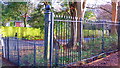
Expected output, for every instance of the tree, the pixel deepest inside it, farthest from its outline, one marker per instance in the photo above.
(13, 11)
(118, 12)
(0, 13)
(114, 11)
(114, 17)
(77, 9)
(89, 14)
(37, 17)
(5, 17)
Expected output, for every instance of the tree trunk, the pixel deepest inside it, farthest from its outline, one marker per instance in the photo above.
(114, 18)
(80, 15)
(118, 12)
(25, 19)
(76, 10)
(114, 11)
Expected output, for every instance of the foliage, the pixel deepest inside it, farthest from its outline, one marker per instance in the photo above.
(37, 18)
(89, 14)
(13, 11)
(94, 46)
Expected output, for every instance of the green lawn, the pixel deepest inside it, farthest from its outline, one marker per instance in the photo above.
(21, 31)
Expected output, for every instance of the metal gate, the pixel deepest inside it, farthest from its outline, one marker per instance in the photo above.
(64, 43)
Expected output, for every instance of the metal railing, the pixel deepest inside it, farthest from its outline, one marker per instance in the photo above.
(67, 40)
(96, 39)
(23, 52)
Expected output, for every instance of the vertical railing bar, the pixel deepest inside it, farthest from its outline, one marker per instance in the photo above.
(62, 35)
(102, 38)
(34, 53)
(2, 43)
(5, 47)
(51, 38)
(8, 47)
(56, 48)
(71, 18)
(118, 35)
(27, 43)
(14, 50)
(73, 39)
(61, 41)
(67, 37)
(93, 39)
(18, 51)
(88, 35)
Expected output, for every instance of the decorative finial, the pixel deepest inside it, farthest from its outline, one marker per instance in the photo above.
(47, 7)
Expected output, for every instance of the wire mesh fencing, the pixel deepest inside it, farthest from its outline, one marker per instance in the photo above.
(24, 52)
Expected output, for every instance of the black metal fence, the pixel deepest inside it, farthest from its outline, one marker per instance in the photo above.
(96, 39)
(67, 40)
(23, 52)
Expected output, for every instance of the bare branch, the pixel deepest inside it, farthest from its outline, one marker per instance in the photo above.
(105, 10)
(100, 8)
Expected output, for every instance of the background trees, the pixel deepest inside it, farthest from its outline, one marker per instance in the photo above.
(37, 17)
(14, 11)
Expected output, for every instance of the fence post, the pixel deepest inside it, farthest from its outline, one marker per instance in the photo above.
(34, 54)
(118, 35)
(51, 38)
(5, 42)
(48, 38)
(3, 46)
(103, 36)
(46, 34)
(80, 43)
(7, 47)
(18, 51)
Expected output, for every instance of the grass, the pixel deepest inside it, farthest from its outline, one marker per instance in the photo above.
(23, 32)
(90, 48)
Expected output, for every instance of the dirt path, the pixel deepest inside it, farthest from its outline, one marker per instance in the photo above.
(110, 60)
